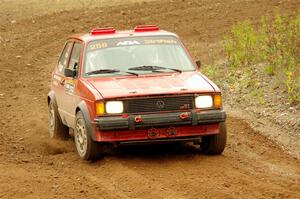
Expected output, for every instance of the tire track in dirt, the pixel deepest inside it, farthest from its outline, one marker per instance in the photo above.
(32, 165)
(132, 184)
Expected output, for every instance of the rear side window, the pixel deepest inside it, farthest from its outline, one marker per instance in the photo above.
(64, 57)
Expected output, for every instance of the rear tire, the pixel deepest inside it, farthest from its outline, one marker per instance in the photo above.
(86, 147)
(56, 128)
(215, 144)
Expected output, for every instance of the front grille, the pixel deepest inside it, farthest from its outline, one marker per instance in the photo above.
(161, 103)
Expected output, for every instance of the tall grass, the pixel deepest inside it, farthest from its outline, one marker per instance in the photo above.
(273, 44)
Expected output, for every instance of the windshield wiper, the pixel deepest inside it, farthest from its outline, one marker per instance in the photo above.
(103, 71)
(153, 68)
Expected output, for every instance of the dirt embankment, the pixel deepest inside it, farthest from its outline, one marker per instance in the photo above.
(32, 166)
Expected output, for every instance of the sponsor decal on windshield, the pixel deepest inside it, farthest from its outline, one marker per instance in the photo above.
(160, 41)
(128, 43)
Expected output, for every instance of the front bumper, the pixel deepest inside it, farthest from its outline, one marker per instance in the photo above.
(192, 118)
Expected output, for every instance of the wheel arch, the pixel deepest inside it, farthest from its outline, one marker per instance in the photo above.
(84, 109)
(51, 96)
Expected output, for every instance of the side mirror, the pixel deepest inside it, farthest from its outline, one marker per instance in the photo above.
(70, 72)
(198, 62)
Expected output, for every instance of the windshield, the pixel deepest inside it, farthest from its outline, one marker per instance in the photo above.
(135, 54)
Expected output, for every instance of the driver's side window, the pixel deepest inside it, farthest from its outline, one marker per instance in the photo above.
(64, 57)
(75, 57)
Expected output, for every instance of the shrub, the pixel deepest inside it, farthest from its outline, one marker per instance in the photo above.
(240, 45)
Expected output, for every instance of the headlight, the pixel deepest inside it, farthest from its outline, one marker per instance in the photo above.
(114, 107)
(204, 101)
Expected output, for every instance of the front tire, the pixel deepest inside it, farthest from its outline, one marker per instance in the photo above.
(215, 144)
(86, 147)
(56, 128)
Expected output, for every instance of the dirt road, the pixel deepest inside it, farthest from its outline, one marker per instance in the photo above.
(32, 166)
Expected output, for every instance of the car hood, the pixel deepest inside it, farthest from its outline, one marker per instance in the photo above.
(171, 83)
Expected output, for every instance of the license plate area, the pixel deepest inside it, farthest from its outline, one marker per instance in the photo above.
(154, 133)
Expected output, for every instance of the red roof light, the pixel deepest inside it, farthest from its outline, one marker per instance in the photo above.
(102, 31)
(145, 28)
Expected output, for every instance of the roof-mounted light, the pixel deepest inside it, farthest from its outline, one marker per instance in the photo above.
(146, 28)
(102, 31)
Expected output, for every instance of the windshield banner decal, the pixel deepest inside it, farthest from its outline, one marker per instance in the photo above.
(119, 42)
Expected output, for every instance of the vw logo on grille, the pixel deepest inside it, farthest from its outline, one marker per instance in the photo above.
(160, 104)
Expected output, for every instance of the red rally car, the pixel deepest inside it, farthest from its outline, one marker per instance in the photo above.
(132, 87)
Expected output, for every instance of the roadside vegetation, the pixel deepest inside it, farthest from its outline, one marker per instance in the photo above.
(261, 59)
